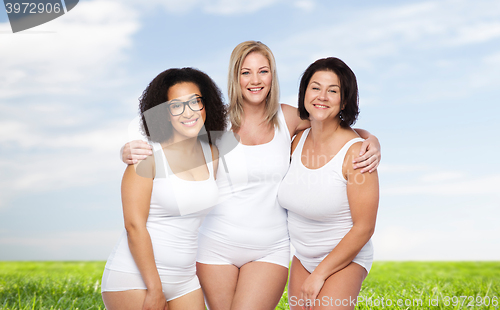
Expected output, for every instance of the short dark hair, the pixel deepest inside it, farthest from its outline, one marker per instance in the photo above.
(348, 88)
(156, 93)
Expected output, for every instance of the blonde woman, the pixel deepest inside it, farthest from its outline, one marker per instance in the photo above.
(244, 253)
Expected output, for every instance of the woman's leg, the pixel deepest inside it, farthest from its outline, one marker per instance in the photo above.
(192, 301)
(339, 291)
(218, 283)
(134, 299)
(130, 299)
(298, 275)
(260, 286)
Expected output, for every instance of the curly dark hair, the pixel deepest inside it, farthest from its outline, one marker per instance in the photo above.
(348, 88)
(157, 128)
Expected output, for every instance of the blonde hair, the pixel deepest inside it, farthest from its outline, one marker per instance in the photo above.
(235, 96)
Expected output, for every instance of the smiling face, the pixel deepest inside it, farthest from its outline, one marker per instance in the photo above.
(322, 97)
(255, 79)
(189, 123)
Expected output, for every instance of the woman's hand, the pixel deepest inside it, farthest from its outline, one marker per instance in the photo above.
(155, 300)
(369, 155)
(310, 290)
(134, 151)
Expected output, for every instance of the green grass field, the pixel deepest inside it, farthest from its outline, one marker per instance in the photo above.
(390, 285)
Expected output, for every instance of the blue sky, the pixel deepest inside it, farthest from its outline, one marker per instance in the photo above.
(429, 80)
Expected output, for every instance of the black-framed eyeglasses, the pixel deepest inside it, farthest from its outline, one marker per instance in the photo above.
(177, 107)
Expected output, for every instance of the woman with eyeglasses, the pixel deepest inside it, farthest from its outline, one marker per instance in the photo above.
(166, 196)
(244, 248)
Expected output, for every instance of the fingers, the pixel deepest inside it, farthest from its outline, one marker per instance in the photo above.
(368, 165)
(139, 147)
(304, 300)
(139, 144)
(364, 147)
(369, 161)
(142, 151)
(308, 298)
(134, 159)
(152, 302)
(135, 150)
(373, 166)
(366, 154)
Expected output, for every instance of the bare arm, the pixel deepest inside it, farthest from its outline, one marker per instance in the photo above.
(363, 196)
(136, 196)
(293, 120)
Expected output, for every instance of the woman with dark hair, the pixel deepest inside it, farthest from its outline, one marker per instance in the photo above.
(166, 196)
(331, 207)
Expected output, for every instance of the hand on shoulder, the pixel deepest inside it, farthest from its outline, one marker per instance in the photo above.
(134, 151)
(349, 168)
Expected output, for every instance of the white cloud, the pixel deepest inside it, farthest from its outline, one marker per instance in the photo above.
(389, 30)
(172, 6)
(401, 168)
(50, 79)
(493, 59)
(441, 176)
(70, 245)
(401, 243)
(481, 32)
(80, 47)
(226, 7)
(306, 5)
(215, 7)
(386, 46)
(25, 136)
(57, 240)
(471, 186)
(63, 161)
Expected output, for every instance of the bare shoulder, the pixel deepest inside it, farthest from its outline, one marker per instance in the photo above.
(288, 109)
(291, 114)
(353, 150)
(146, 167)
(293, 120)
(348, 134)
(348, 169)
